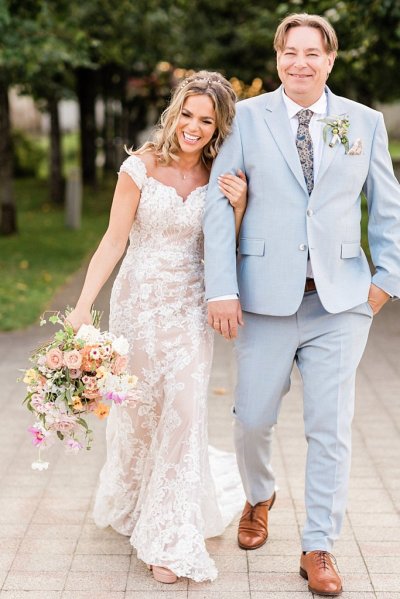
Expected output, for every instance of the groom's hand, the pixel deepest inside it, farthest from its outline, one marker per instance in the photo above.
(224, 316)
(377, 298)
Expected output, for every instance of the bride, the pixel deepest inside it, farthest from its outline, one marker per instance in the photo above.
(156, 485)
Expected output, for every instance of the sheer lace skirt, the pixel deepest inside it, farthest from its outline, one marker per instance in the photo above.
(156, 485)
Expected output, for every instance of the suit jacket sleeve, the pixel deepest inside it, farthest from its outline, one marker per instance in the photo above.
(383, 196)
(219, 222)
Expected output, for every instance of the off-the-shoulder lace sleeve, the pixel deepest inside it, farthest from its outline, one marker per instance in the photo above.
(135, 168)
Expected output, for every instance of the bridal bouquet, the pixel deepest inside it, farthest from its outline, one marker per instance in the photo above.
(73, 375)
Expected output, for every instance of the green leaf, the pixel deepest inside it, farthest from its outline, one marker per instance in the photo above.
(83, 423)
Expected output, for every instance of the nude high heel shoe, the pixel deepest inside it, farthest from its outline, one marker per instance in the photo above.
(162, 574)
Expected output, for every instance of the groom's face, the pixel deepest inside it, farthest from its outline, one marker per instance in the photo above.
(304, 64)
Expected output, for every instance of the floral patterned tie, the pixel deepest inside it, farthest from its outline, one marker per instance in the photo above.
(305, 147)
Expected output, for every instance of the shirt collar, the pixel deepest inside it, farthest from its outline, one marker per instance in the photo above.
(319, 107)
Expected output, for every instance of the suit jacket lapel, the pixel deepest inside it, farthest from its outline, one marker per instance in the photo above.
(335, 107)
(277, 120)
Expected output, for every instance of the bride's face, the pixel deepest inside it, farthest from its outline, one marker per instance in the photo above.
(197, 123)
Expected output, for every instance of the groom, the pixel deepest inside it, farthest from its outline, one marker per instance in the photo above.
(301, 277)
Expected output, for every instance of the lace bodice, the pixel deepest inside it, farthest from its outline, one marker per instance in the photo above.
(166, 227)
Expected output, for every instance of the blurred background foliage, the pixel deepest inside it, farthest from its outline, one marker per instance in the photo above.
(128, 55)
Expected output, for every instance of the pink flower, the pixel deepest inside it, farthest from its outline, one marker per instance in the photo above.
(54, 359)
(75, 373)
(72, 359)
(62, 422)
(73, 446)
(95, 353)
(117, 398)
(120, 365)
(37, 403)
(39, 434)
(90, 383)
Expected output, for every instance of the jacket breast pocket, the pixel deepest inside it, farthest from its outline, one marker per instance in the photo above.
(350, 249)
(251, 246)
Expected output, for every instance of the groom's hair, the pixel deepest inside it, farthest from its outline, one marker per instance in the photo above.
(305, 20)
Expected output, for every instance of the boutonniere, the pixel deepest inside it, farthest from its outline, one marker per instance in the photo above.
(336, 127)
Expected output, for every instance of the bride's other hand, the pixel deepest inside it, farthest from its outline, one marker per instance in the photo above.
(234, 187)
(78, 317)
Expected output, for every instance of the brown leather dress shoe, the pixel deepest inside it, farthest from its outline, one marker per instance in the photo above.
(253, 525)
(320, 569)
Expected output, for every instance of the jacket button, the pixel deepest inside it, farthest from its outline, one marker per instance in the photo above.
(302, 247)
(310, 212)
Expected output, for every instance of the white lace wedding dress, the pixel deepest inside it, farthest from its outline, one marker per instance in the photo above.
(156, 484)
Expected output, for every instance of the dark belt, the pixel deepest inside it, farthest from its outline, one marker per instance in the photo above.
(310, 285)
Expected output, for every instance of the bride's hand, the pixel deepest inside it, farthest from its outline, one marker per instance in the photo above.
(234, 187)
(78, 317)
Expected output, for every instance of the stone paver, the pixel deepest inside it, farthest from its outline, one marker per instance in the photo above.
(51, 549)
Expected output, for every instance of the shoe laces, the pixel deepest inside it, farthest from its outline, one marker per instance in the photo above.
(250, 513)
(252, 510)
(322, 559)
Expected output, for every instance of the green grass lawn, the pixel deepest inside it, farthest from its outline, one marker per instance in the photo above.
(394, 147)
(34, 263)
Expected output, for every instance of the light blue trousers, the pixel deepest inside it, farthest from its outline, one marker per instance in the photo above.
(327, 349)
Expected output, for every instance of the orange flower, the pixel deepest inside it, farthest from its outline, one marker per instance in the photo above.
(88, 364)
(77, 404)
(101, 411)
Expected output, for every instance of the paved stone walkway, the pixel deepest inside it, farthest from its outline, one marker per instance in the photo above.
(50, 548)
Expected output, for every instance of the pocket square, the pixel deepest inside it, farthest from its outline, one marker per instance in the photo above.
(356, 148)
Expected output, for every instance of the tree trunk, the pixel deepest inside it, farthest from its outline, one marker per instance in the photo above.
(8, 217)
(109, 135)
(56, 178)
(137, 119)
(86, 79)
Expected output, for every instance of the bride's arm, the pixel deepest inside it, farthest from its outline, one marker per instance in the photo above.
(235, 189)
(110, 249)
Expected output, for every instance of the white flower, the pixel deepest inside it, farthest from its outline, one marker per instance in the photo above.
(40, 465)
(121, 346)
(88, 333)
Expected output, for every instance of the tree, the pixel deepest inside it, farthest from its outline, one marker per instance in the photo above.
(38, 49)
(17, 56)
(369, 37)
(237, 37)
(61, 49)
(127, 39)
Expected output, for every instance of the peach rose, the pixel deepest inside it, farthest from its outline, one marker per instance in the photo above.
(72, 359)
(92, 394)
(54, 359)
(120, 364)
(75, 374)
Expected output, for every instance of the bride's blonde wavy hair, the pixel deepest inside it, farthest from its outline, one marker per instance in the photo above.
(165, 143)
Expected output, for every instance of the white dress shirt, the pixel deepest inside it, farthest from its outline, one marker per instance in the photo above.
(319, 108)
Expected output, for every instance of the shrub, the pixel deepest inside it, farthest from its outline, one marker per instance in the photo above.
(28, 154)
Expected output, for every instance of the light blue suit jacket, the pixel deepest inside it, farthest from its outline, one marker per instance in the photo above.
(283, 223)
